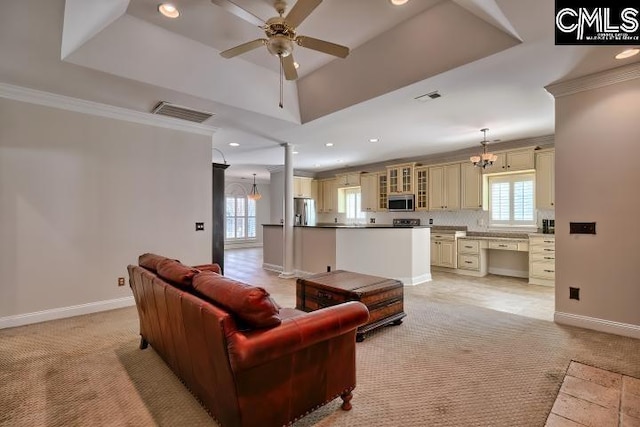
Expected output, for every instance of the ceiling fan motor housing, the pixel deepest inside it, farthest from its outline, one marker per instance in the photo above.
(280, 36)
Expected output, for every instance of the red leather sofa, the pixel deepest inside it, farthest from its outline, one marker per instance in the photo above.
(248, 361)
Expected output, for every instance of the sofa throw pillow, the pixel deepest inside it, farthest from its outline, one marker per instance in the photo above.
(150, 261)
(251, 304)
(208, 267)
(175, 272)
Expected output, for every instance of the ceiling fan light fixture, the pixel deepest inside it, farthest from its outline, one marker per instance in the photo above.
(168, 10)
(398, 2)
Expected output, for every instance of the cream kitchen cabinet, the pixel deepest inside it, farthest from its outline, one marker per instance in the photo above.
(369, 192)
(383, 192)
(472, 256)
(327, 196)
(444, 187)
(348, 180)
(545, 179)
(422, 173)
(471, 186)
(400, 178)
(510, 161)
(444, 249)
(302, 186)
(542, 259)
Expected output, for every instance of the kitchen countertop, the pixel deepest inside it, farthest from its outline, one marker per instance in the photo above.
(350, 226)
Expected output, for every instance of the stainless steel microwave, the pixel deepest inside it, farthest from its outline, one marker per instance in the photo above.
(401, 203)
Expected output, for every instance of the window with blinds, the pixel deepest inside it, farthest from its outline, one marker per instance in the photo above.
(240, 218)
(511, 200)
(353, 205)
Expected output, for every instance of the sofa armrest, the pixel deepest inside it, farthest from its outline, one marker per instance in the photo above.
(256, 347)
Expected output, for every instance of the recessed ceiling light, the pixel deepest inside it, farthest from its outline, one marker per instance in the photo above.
(398, 2)
(339, 161)
(168, 10)
(234, 144)
(374, 139)
(627, 53)
(296, 65)
(329, 144)
(295, 152)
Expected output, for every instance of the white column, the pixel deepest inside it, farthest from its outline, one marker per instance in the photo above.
(288, 268)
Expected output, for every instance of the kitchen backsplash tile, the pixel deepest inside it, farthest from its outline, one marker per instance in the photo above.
(474, 220)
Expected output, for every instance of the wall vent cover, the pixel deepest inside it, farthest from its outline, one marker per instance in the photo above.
(179, 112)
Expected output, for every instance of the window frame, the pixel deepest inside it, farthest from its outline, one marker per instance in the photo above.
(511, 179)
(244, 218)
(360, 216)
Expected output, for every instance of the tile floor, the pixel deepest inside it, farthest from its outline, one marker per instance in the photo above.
(589, 396)
(594, 397)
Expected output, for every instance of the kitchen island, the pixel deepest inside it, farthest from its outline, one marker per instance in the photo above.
(401, 253)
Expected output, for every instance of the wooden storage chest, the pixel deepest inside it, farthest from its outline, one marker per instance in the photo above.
(383, 297)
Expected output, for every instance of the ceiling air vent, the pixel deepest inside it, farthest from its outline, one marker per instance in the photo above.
(180, 112)
(427, 96)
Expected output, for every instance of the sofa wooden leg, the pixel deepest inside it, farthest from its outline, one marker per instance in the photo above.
(346, 400)
(143, 343)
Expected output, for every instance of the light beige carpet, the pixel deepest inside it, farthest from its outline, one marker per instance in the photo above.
(449, 364)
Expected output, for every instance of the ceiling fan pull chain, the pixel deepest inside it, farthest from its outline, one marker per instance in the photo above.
(281, 82)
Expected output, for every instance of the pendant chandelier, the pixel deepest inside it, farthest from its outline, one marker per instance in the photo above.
(254, 195)
(484, 160)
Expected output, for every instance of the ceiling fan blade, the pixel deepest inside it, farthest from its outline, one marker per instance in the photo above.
(233, 8)
(289, 68)
(323, 46)
(300, 11)
(244, 47)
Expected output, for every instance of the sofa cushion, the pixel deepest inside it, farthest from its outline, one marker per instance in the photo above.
(251, 304)
(175, 272)
(150, 261)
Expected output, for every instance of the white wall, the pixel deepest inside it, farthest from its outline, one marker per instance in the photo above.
(82, 196)
(263, 207)
(277, 197)
(597, 178)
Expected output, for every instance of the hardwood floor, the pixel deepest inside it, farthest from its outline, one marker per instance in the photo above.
(500, 293)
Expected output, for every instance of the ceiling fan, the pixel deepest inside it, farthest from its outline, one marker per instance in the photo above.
(281, 35)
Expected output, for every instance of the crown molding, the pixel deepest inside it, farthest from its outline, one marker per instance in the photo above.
(48, 99)
(594, 81)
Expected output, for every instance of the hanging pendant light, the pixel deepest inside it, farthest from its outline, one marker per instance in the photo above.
(484, 160)
(254, 195)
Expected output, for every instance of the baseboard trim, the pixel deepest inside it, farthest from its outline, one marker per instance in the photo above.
(64, 312)
(272, 267)
(416, 280)
(601, 325)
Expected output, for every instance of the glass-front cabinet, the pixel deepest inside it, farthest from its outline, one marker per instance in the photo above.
(400, 178)
(383, 191)
(422, 189)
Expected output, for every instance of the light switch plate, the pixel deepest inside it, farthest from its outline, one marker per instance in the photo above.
(199, 226)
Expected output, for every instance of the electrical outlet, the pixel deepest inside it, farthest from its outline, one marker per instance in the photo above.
(430, 221)
(199, 226)
(574, 293)
(120, 281)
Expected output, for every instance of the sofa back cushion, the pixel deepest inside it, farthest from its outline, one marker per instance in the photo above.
(176, 272)
(250, 304)
(150, 261)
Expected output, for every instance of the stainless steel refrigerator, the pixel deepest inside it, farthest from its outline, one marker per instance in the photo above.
(304, 211)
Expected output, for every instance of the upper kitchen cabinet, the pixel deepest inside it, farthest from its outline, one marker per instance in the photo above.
(444, 187)
(302, 187)
(329, 196)
(422, 189)
(369, 192)
(400, 178)
(510, 161)
(383, 192)
(348, 180)
(471, 187)
(545, 179)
